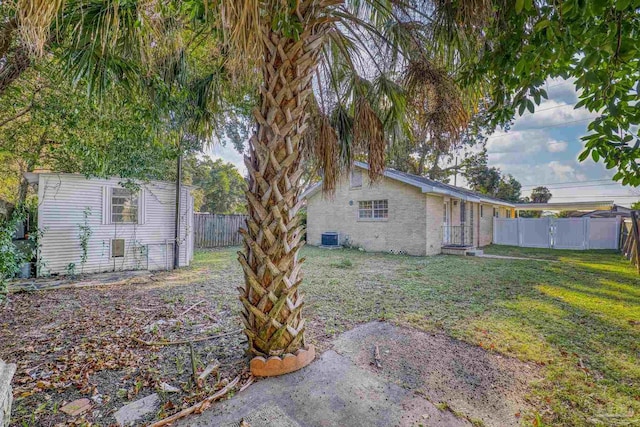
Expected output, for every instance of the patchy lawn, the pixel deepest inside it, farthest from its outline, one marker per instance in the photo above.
(576, 317)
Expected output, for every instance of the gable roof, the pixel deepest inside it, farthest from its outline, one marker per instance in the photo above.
(426, 185)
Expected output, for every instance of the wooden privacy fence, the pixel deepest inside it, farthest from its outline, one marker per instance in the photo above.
(213, 230)
(631, 235)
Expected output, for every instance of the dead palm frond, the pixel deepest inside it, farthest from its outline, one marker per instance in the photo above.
(435, 105)
(35, 19)
(368, 136)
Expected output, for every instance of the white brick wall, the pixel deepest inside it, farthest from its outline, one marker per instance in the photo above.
(486, 225)
(435, 221)
(405, 229)
(415, 219)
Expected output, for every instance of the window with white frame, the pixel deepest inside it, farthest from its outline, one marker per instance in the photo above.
(373, 209)
(356, 179)
(508, 213)
(124, 206)
(496, 212)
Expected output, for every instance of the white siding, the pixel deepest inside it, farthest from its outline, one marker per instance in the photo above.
(62, 201)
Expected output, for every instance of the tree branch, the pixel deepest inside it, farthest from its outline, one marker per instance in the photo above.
(14, 68)
(23, 112)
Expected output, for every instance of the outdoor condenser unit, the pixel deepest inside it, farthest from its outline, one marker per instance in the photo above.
(330, 238)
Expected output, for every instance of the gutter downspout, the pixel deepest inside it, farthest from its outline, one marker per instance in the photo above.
(176, 246)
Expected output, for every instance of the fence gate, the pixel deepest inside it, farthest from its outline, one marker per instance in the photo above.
(213, 230)
(558, 233)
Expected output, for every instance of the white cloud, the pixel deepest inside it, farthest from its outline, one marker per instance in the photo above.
(553, 113)
(513, 146)
(554, 146)
(582, 181)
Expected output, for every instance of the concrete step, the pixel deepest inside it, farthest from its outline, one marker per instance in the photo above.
(475, 252)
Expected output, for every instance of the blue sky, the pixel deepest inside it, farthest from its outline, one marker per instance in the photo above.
(540, 149)
(543, 148)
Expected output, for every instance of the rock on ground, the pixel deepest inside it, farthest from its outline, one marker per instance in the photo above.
(76, 407)
(133, 412)
(6, 394)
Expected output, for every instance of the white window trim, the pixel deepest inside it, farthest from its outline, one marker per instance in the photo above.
(372, 219)
(107, 194)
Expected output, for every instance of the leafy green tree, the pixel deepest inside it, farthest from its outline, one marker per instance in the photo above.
(220, 185)
(52, 125)
(489, 180)
(635, 206)
(540, 195)
(592, 43)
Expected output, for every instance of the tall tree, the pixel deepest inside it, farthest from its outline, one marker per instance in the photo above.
(221, 188)
(489, 180)
(540, 195)
(324, 69)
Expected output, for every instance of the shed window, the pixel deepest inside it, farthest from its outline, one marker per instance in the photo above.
(508, 213)
(373, 209)
(117, 248)
(124, 206)
(356, 179)
(481, 211)
(496, 212)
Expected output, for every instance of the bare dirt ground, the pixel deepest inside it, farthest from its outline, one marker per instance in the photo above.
(75, 343)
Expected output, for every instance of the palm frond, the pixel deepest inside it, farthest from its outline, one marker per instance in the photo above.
(368, 133)
(35, 19)
(435, 105)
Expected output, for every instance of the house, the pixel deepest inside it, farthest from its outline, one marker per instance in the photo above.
(402, 213)
(123, 229)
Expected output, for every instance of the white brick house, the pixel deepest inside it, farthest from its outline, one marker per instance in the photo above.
(402, 213)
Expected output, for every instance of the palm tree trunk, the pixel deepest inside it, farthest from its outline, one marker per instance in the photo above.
(272, 304)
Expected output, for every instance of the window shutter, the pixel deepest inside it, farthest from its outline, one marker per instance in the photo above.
(142, 207)
(106, 205)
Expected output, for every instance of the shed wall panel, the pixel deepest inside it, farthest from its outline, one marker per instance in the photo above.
(62, 201)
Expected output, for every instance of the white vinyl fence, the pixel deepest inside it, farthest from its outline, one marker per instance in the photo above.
(558, 233)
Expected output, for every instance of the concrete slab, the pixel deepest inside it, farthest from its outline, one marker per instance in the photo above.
(482, 385)
(332, 391)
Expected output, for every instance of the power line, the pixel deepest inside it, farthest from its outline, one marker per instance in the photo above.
(542, 127)
(582, 186)
(598, 196)
(568, 182)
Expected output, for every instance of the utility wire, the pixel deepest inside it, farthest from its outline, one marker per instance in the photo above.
(581, 186)
(568, 182)
(542, 127)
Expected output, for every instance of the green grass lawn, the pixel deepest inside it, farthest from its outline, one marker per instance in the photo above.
(576, 315)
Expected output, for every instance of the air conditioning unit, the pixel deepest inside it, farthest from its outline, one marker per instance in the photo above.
(330, 238)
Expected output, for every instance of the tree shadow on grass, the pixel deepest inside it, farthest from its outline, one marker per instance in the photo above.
(592, 351)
